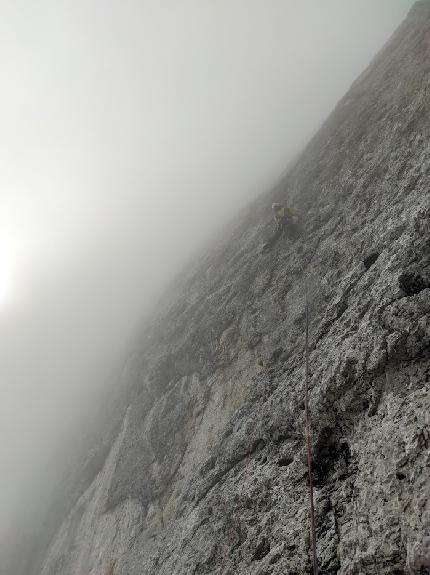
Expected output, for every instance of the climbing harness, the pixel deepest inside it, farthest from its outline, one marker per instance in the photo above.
(309, 442)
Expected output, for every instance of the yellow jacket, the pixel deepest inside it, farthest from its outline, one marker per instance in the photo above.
(282, 213)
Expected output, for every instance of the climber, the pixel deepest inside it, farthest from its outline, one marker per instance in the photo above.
(285, 224)
(285, 219)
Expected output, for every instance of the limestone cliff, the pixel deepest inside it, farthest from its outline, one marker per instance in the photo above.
(207, 473)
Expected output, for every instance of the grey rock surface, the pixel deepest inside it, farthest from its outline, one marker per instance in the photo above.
(208, 472)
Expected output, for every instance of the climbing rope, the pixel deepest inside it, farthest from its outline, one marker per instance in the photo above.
(309, 442)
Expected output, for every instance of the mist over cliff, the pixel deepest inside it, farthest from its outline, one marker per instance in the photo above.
(206, 469)
(131, 132)
(196, 463)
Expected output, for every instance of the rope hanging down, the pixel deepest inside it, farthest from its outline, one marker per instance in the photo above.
(309, 443)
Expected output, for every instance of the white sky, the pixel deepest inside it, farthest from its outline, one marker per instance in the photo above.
(129, 130)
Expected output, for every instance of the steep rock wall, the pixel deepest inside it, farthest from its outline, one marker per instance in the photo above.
(208, 474)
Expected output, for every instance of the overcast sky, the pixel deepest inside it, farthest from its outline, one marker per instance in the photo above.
(129, 131)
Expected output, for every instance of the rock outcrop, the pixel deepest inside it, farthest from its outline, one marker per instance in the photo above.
(208, 471)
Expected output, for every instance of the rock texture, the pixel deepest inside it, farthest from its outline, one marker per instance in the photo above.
(208, 472)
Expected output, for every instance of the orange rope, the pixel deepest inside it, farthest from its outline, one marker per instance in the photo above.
(309, 446)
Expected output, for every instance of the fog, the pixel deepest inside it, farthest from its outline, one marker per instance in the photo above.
(130, 132)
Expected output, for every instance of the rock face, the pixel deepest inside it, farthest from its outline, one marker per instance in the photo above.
(208, 472)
